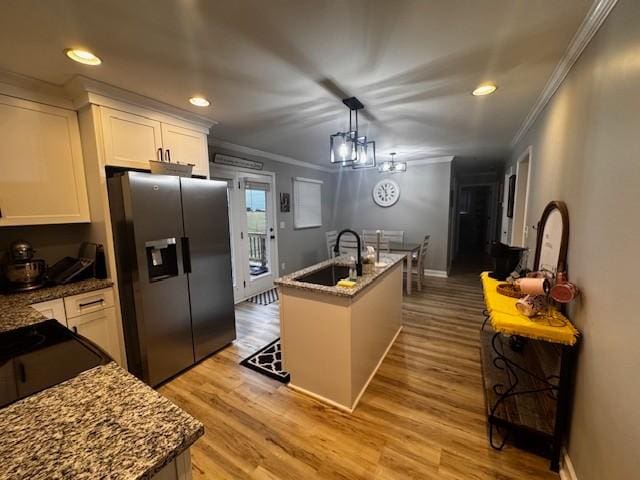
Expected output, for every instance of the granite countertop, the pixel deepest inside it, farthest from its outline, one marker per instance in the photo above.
(15, 311)
(363, 282)
(104, 423)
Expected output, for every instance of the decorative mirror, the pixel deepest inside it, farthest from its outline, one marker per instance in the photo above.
(553, 238)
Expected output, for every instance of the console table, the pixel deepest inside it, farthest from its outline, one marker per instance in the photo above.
(526, 368)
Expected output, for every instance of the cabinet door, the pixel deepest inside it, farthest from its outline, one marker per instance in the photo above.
(41, 169)
(129, 140)
(52, 309)
(187, 146)
(101, 328)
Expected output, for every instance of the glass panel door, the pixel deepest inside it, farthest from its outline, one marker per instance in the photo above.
(258, 234)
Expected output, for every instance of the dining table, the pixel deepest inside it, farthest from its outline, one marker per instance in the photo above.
(410, 249)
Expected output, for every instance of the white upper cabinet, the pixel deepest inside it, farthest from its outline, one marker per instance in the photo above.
(130, 140)
(186, 146)
(41, 169)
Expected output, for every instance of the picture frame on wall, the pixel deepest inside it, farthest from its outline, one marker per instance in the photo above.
(512, 196)
(285, 202)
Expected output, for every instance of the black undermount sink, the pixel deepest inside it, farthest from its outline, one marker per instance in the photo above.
(327, 276)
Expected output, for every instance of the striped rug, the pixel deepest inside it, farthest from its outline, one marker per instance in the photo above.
(265, 298)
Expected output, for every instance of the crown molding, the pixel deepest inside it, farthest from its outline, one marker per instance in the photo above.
(592, 22)
(410, 163)
(27, 88)
(84, 91)
(233, 147)
(430, 161)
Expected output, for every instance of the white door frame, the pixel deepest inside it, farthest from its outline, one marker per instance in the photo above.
(234, 173)
(526, 155)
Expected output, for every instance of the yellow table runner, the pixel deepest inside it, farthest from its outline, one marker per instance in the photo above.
(505, 318)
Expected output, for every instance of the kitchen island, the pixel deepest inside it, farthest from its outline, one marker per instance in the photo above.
(335, 338)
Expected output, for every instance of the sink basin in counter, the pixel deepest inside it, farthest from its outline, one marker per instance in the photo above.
(323, 277)
(328, 276)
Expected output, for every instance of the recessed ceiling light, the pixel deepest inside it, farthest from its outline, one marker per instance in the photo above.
(199, 101)
(484, 89)
(82, 56)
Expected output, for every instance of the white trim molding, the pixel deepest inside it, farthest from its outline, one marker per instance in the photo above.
(429, 161)
(436, 273)
(84, 90)
(410, 163)
(594, 19)
(566, 468)
(239, 149)
(28, 88)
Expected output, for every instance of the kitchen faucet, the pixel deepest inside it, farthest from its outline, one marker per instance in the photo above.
(336, 249)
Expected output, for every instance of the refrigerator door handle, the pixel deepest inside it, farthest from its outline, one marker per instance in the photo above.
(186, 255)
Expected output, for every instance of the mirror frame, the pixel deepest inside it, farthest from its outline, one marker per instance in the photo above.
(564, 240)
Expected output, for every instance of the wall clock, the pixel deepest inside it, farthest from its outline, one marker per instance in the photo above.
(386, 192)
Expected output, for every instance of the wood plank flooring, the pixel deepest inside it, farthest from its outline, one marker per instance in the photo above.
(422, 416)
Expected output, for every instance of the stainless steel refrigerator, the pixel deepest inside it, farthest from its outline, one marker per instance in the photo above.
(174, 270)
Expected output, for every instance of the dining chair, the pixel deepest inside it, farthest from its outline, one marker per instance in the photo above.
(419, 262)
(331, 236)
(395, 236)
(370, 238)
(348, 245)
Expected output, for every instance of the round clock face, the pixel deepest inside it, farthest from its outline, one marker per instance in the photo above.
(386, 192)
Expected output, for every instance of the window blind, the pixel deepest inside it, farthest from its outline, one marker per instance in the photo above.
(307, 203)
(253, 185)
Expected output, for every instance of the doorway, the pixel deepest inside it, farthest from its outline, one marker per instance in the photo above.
(252, 221)
(506, 220)
(474, 211)
(519, 230)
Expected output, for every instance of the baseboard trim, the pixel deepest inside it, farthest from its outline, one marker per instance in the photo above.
(304, 391)
(436, 273)
(337, 405)
(566, 469)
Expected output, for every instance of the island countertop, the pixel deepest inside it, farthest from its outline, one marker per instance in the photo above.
(391, 259)
(103, 423)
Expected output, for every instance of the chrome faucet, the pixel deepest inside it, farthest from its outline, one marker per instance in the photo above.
(336, 249)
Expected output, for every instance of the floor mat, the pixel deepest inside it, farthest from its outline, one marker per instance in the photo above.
(268, 361)
(265, 298)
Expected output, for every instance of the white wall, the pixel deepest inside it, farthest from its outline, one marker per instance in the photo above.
(423, 207)
(303, 247)
(586, 147)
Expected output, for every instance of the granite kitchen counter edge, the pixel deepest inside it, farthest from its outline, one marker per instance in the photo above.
(102, 423)
(362, 283)
(15, 310)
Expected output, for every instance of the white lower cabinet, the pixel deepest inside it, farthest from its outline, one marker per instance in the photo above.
(101, 328)
(53, 309)
(92, 315)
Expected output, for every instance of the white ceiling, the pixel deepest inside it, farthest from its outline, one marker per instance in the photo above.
(275, 69)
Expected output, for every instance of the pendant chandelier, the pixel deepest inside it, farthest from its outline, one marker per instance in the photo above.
(391, 166)
(350, 149)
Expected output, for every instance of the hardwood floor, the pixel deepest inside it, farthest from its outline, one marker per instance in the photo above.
(421, 417)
